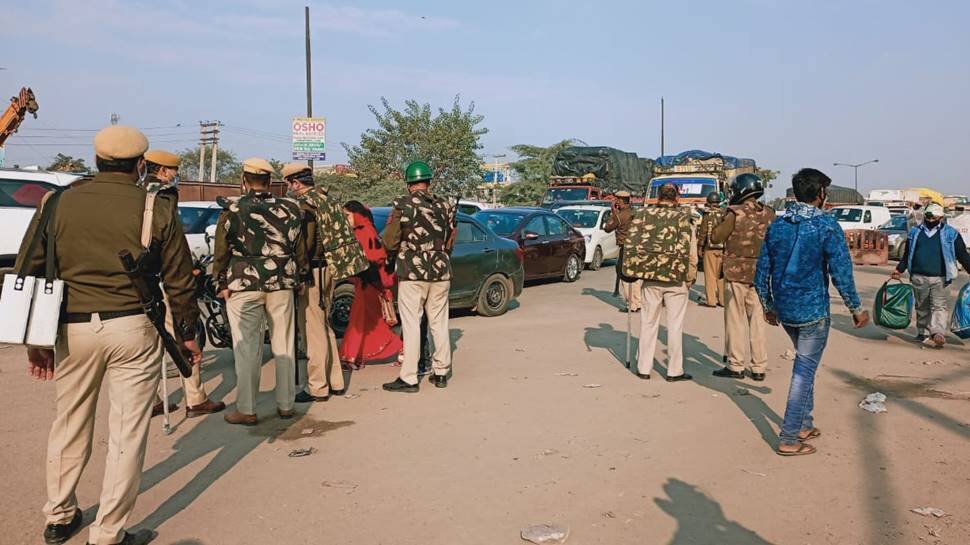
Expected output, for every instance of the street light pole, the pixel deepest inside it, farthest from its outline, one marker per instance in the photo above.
(855, 170)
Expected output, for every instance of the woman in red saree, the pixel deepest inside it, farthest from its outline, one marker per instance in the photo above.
(368, 337)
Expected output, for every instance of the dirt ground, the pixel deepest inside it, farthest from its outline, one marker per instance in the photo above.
(517, 439)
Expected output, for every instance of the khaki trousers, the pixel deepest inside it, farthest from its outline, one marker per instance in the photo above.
(322, 372)
(191, 386)
(674, 297)
(415, 299)
(631, 294)
(745, 328)
(128, 354)
(713, 282)
(248, 312)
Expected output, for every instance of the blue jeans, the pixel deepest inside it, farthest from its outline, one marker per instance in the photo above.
(809, 344)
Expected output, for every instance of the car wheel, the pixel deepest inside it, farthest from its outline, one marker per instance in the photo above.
(574, 267)
(343, 299)
(597, 261)
(494, 296)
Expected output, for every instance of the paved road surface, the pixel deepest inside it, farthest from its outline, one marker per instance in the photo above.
(512, 443)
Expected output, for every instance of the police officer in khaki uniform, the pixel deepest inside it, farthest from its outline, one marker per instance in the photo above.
(713, 252)
(333, 254)
(105, 335)
(619, 222)
(742, 231)
(163, 178)
(258, 262)
(661, 250)
(421, 229)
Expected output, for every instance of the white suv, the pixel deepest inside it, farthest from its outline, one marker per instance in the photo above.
(21, 190)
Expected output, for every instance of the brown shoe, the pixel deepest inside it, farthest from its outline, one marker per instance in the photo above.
(236, 417)
(939, 340)
(158, 409)
(285, 415)
(208, 407)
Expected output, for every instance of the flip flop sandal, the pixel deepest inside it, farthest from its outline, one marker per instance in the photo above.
(803, 450)
(815, 432)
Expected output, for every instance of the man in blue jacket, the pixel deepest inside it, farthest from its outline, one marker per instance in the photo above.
(931, 255)
(803, 248)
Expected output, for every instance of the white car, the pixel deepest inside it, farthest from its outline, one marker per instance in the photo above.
(869, 218)
(21, 190)
(589, 221)
(197, 218)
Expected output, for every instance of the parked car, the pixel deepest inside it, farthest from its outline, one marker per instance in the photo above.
(197, 217)
(471, 207)
(21, 191)
(897, 228)
(589, 221)
(487, 272)
(861, 217)
(552, 247)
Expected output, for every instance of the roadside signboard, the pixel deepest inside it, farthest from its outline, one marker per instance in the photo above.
(309, 138)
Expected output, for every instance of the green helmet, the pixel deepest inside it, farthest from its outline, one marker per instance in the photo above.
(417, 171)
(746, 186)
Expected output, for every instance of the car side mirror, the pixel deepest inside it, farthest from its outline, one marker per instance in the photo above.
(529, 235)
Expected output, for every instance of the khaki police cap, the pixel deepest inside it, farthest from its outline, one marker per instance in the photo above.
(257, 165)
(163, 158)
(119, 142)
(294, 168)
(622, 194)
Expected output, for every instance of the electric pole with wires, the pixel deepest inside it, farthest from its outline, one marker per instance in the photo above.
(208, 136)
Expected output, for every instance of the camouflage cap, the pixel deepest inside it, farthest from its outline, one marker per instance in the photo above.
(257, 165)
(163, 158)
(119, 142)
(296, 167)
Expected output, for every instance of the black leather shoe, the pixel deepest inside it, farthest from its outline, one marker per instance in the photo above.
(304, 397)
(679, 378)
(440, 381)
(724, 372)
(624, 310)
(338, 392)
(642, 376)
(760, 377)
(55, 534)
(401, 386)
(141, 537)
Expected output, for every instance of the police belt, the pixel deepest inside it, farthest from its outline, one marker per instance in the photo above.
(86, 317)
(318, 263)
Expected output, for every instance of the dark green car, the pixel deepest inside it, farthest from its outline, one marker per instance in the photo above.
(487, 272)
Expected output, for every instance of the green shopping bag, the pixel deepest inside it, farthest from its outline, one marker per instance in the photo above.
(894, 305)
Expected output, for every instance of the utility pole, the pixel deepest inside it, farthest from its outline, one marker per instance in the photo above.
(208, 135)
(309, 94)
(855, 169)
(661, 126)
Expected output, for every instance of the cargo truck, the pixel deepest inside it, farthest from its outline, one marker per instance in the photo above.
(588, 173)
(697, 174)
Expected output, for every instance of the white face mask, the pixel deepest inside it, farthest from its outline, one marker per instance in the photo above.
(175, 180)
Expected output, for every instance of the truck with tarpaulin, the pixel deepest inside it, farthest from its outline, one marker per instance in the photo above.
(697, 174)
(585, 173)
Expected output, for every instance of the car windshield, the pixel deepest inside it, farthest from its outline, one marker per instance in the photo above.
(896, 223)
(847, 215)
(17, 194)
(195, 220)
(689, 188)
(565, 194)
(502, 223)
(582, 219)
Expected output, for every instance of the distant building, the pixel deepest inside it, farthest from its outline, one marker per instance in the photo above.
(340, 169)
(502, 173)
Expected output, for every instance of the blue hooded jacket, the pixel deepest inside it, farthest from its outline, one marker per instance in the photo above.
(802, 249)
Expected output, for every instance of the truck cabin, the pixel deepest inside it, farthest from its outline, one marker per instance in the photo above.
(566, 189)
(693, 189)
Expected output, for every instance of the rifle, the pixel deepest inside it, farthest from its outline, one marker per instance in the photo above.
(149, 293)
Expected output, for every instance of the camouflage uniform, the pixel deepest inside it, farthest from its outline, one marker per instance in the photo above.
(661, 250)
(713, 256)
(742, 231)
(333, 254)
(421, 229)
(260, 257)
(620, 223)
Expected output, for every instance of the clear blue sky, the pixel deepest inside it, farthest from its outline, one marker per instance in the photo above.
(789, 84)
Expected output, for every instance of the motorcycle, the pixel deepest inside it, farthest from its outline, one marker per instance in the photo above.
(215, 321)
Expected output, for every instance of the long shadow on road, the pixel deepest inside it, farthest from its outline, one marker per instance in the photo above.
(605, 296)
(700, 519)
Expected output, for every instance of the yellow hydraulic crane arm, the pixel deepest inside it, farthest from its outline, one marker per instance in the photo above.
(13, 116)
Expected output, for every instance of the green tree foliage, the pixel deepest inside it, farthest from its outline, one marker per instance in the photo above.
(66, 163)
(447, 140)
(534, 167)
(767, 175)
(228, 166)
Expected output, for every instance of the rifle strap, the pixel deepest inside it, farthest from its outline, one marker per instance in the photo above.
(147, 218)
